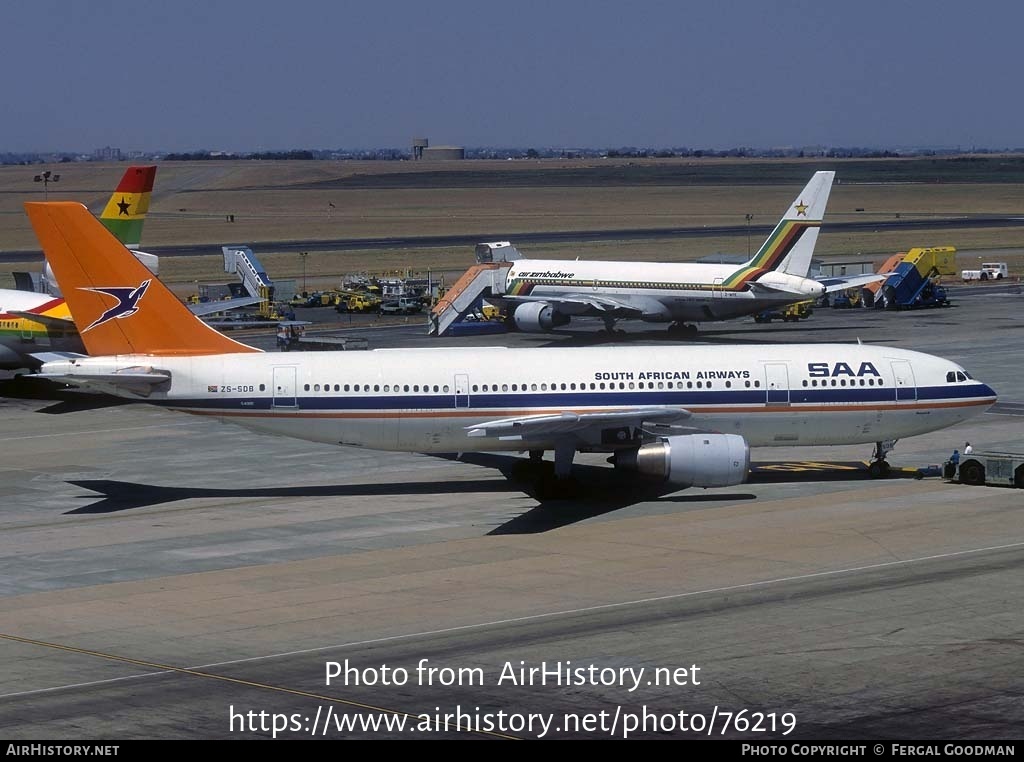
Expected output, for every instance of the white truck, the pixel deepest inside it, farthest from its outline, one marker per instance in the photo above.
(997, 469)
(988, 271)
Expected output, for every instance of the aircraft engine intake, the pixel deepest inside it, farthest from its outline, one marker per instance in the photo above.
(537, 317)
(691, 460)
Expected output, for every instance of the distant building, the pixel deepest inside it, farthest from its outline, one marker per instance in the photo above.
(107, 154)
(444, 153)
(421, 149)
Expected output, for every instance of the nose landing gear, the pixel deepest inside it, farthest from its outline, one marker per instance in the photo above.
(879, 467)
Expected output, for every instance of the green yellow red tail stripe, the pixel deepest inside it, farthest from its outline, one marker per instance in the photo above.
(772, 252)
(126, 210)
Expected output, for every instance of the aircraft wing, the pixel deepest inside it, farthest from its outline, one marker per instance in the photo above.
(547, 424)
(209, 308)
(48, 321)
(575, 303)
(851, 281)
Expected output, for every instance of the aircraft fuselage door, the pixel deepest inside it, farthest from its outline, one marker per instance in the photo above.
(461, 390)
(284, 386)
(906, 387)
(776, 376)
(716, 287)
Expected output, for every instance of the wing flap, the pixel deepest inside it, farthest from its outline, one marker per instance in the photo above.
(571, 422)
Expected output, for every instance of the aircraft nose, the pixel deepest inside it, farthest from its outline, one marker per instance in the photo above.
(986, 391)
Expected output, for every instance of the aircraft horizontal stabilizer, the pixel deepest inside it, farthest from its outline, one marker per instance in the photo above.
(763, 289)
(135, 379)
(66, 324)
(533, 426)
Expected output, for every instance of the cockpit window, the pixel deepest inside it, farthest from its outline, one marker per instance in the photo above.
(961, 376)
(951, 377)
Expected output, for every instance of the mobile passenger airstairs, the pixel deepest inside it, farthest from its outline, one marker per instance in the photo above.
(240, 261)
(486, 278)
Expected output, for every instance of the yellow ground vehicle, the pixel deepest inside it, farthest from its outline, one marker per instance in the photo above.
(789, 313)
(358, 303)
(490, 312)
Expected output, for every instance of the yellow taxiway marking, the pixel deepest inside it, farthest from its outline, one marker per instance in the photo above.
(808, 465)
(238, 681)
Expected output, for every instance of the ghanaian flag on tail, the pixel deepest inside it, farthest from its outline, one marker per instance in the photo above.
(126, 211)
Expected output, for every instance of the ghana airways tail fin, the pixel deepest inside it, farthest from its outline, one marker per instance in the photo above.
(125, 212)
(789, 247)
(118, 306)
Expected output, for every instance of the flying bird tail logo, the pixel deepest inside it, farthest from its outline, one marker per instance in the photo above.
(127, 302)
(95, 271)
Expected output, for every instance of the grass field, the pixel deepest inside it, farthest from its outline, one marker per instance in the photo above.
(292, 200)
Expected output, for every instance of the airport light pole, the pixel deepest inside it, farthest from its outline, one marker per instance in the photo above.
(303, 254)
(749, 218)
(46, 178)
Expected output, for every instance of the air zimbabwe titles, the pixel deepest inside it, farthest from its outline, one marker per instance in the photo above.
(668, 375)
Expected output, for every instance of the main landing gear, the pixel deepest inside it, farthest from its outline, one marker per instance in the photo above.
(879, 467)
(682, 331)
(609, 325)
(551, 483)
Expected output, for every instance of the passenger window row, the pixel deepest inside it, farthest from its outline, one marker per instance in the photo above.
(842, 382)
(415, 388)
(543, 387)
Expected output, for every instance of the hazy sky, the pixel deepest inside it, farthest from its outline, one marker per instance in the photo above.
(251, 75)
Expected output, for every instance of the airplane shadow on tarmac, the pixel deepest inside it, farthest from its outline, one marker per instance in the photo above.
(597, 490)
(65, 400)
(602, 490)
(124, 496)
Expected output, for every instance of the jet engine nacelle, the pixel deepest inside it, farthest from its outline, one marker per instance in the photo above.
(535, 317)
(691, 460)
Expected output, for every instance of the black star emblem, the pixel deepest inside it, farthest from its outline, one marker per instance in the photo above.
(123, 206)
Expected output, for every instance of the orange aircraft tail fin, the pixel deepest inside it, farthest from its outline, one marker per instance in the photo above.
(118, 306)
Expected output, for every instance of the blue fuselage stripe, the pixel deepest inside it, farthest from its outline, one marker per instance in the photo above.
(341, 402)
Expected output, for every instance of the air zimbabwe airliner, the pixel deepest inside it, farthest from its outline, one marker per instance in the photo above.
(544, 294)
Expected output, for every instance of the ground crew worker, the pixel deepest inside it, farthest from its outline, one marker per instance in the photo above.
(968, 449)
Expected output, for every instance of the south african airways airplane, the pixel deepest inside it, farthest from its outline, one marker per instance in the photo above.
(685, 414)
